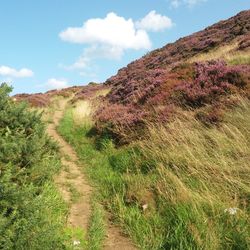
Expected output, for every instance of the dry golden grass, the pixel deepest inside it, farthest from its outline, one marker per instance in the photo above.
(102, 92)
(213, 157)
(82, 112)
(227, 53)
(48, 112)
(204, 171)
(217, 53)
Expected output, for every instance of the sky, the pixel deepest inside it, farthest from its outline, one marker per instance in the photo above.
(51, 44)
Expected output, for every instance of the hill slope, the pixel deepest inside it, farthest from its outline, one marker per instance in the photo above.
(203, 69)
(167, 148)
(154, 66)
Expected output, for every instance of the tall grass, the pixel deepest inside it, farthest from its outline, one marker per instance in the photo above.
(203, 172)
(82, 112)
(229, 53)
(97, 228)
(186, 186)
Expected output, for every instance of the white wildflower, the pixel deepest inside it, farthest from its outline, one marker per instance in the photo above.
(231, 210)
(144, 207)
(76, 242)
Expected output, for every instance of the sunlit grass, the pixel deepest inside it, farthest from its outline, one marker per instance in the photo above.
(229, 53)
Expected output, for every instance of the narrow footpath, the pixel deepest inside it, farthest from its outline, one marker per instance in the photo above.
(72, 177)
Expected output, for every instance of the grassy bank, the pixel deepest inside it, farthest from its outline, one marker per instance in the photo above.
(186, 186)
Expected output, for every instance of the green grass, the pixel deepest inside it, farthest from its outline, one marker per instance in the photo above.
(96, 233)
(240, 59)
(186, 173)
(75, 238)
(110, 180)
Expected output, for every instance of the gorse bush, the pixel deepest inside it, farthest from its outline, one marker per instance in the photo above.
(31, 210)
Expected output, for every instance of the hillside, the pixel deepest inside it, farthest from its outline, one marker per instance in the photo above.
(138, 75)
(165, 143)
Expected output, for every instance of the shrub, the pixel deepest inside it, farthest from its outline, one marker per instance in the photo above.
(31, 210)
(212, 80)
(118, 121)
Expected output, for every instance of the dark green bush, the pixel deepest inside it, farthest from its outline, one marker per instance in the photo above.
(31, 210)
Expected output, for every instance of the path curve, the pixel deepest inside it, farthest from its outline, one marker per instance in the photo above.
(80, 211)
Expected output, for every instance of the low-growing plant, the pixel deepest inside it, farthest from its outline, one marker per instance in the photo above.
(212, 80)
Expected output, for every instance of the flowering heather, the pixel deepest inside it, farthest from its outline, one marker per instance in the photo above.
(43, 99)
(88, 92)
(244, 43)
(193, 85)
(134, 81)
(66, 92)
(35, 100)
(119, 115)
(212, 79)
(138, 85)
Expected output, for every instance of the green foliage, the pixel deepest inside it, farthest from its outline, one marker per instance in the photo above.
(96, 228)
(31, 210)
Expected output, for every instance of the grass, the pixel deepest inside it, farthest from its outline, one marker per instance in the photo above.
(75, 238)
(187, 175)
(82, 112)
(97, 229)
(227, 52)
(111, 186)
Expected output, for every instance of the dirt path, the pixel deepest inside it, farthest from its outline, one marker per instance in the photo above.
(71, 177)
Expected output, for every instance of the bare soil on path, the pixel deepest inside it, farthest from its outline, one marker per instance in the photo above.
(71, 176)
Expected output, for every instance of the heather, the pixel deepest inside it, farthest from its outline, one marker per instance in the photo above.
(31, 210)
(44, 100)
(212, 80)
(90, 91)
(187, 86)
(222, 33)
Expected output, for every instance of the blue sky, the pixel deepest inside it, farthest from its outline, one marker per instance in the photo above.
(57, 43)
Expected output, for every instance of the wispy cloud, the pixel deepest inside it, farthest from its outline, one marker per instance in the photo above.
(14, 73)
(189, 3)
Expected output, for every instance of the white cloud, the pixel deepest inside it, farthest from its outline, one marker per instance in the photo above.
(189, 3)
(113, 30)
(54, 83)
(111, 36)
(92, 53)
(11, 72)
(154, 22)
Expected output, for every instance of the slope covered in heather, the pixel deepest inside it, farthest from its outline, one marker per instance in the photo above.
(166, 142)
(154, 67)
(205, 68)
